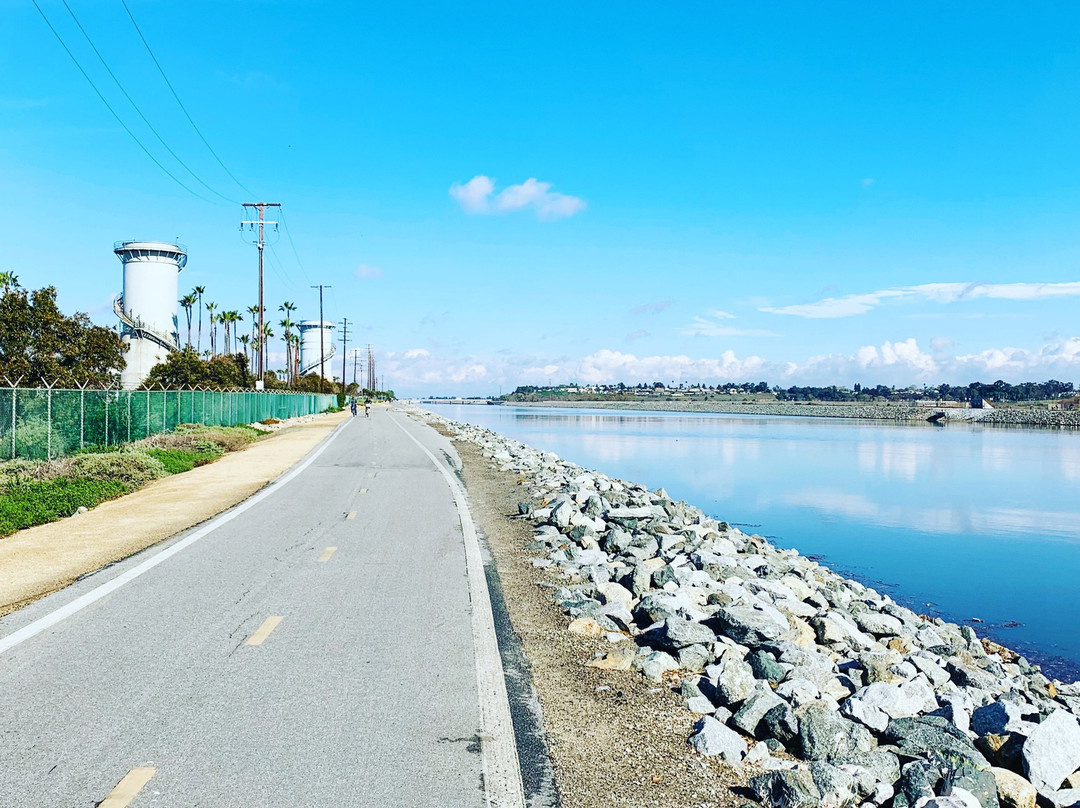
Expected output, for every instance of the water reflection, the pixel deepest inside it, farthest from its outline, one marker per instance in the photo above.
(978, 520)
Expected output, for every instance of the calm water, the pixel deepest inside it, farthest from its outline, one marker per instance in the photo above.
(961, 521)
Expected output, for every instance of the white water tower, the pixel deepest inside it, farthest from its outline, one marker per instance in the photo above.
(147, 308)
(311, 331)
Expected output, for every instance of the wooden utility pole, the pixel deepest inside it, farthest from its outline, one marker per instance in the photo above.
(322, 335)
(344, 348)
(261, 244)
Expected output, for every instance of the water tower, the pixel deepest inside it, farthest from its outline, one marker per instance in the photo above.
(311, 332)
(147, 308)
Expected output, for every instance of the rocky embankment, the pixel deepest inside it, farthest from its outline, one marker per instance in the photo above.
(828, 692)
(1031, 417)
(876, 412)
(873, 412)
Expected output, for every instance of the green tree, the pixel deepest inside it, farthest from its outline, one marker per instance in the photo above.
(186, 367)
(41, 344)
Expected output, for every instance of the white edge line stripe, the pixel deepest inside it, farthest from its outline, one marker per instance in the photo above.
(96, 594)
(502, 769)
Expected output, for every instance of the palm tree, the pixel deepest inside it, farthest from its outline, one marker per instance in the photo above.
(237, 318)
(295, 340)
(9, 280)
(287, 337)
(244, 340)
(226, 318)
(188, 302)
(287, 324)
(212, 307)
(254, 312)
(267, 335)
(199, 291)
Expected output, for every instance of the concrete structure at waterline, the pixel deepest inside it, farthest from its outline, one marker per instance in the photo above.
(148, 306)
(316, 338)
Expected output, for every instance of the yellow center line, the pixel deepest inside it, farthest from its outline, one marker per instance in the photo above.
(363, 490)
(269, 624)
(350, 515)
(128, 788)
(329, 551)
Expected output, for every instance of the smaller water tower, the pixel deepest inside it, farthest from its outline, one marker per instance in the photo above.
(311, 332)
(147, 308)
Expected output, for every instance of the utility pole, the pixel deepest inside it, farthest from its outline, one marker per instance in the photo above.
(370, 369)
(261, 244)
(355, 360)
(322, 335)
(344, 348)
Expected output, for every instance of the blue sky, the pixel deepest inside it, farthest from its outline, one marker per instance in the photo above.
(502, 195)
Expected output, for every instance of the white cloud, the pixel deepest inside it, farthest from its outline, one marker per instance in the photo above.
(473, 195)
(651, 308)
(849, 305)
(420, 371)
(702, 327)
(366, 272)
(721, 315)
(608, 366)
(476, 196)
(638, 334)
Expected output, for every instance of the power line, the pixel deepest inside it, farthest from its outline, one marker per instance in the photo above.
(135, 106)
(108, 106)
(279, 268)
(292, 244)
(177, 97)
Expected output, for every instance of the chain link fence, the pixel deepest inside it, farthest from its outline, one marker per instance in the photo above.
(41, 423)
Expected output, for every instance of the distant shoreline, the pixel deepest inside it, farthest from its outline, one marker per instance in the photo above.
(870, 412)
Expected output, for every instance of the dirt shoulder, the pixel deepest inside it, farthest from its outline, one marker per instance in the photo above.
(43, 559)
(614, 737)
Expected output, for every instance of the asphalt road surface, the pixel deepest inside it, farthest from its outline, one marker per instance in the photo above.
(315, 650)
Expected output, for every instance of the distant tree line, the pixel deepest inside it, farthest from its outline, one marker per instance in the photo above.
(994, 391)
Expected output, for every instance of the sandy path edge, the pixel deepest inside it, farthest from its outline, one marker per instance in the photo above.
(40, 560)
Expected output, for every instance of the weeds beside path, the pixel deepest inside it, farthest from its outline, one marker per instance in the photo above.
(43, 559)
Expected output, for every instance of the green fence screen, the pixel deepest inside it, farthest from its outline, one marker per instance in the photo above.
(39, 424)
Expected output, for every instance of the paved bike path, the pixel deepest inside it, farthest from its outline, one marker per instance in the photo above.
(364, 693)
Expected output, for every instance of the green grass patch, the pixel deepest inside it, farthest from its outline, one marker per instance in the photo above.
(35, 503)
(177, 461)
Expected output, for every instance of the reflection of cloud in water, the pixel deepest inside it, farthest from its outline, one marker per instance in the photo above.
(696, 452)
(1070, 463)
(996, 457)
(989, 522)
(897, 459)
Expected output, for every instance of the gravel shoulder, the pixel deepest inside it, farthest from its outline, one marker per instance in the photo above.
(614, 737)
(43, 559)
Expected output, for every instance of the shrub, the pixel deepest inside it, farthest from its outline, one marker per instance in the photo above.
(196, 438)
(133, 469)
(21, 471)
(176, 461)
(34, 503)
(32, 440)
